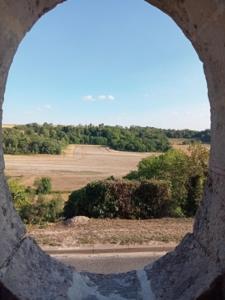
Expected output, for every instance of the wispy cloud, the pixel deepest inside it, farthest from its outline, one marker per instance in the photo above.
(106, 97)
(91, 98)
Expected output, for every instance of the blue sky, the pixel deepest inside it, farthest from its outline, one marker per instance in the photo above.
(113, 62)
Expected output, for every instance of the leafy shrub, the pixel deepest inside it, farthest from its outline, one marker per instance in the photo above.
(171, 166)
(32, 210)
(153, 199)
(19, 194)
(43, 185)
(43, 210)
(120, 199)
(186, 173)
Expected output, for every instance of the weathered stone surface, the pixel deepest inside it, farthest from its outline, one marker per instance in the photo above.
(31, 274)
(183, 273)
(216, 291)
(5, 294)
(195, 269)
(37, 276)
(108, 287)
(12, 230)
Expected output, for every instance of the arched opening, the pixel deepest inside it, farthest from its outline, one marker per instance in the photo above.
(194, 265)
(166, 78)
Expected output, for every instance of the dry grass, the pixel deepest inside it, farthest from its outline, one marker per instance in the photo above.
(77, 166)
(8, 125)
(113, 232)
(178, 144)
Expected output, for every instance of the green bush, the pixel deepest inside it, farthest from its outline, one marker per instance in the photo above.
(171, 166)
(19, 194)
(43, 210)
(43, 185)
(32, 210)
(120, 199)
(153, 199)
(186, 173)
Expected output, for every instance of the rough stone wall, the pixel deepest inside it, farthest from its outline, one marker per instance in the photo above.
(196, 267)
(6, 294)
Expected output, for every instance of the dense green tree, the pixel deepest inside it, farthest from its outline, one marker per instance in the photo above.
(43, 185)
(186, 173)
(172, 166)
(18, 192)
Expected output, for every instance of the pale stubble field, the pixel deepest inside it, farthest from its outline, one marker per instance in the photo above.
(77, 166)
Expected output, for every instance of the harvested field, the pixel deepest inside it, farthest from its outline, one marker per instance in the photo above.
(8, 125)
(179, 145)
(78, 165)
(116, 232)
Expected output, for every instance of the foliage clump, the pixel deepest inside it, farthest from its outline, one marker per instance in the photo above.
(120, 199)
(43, 185)
(43, 210)
(186, 172)
(35, 206)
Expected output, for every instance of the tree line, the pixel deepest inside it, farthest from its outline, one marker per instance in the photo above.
(201, 136)
(50, 139)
